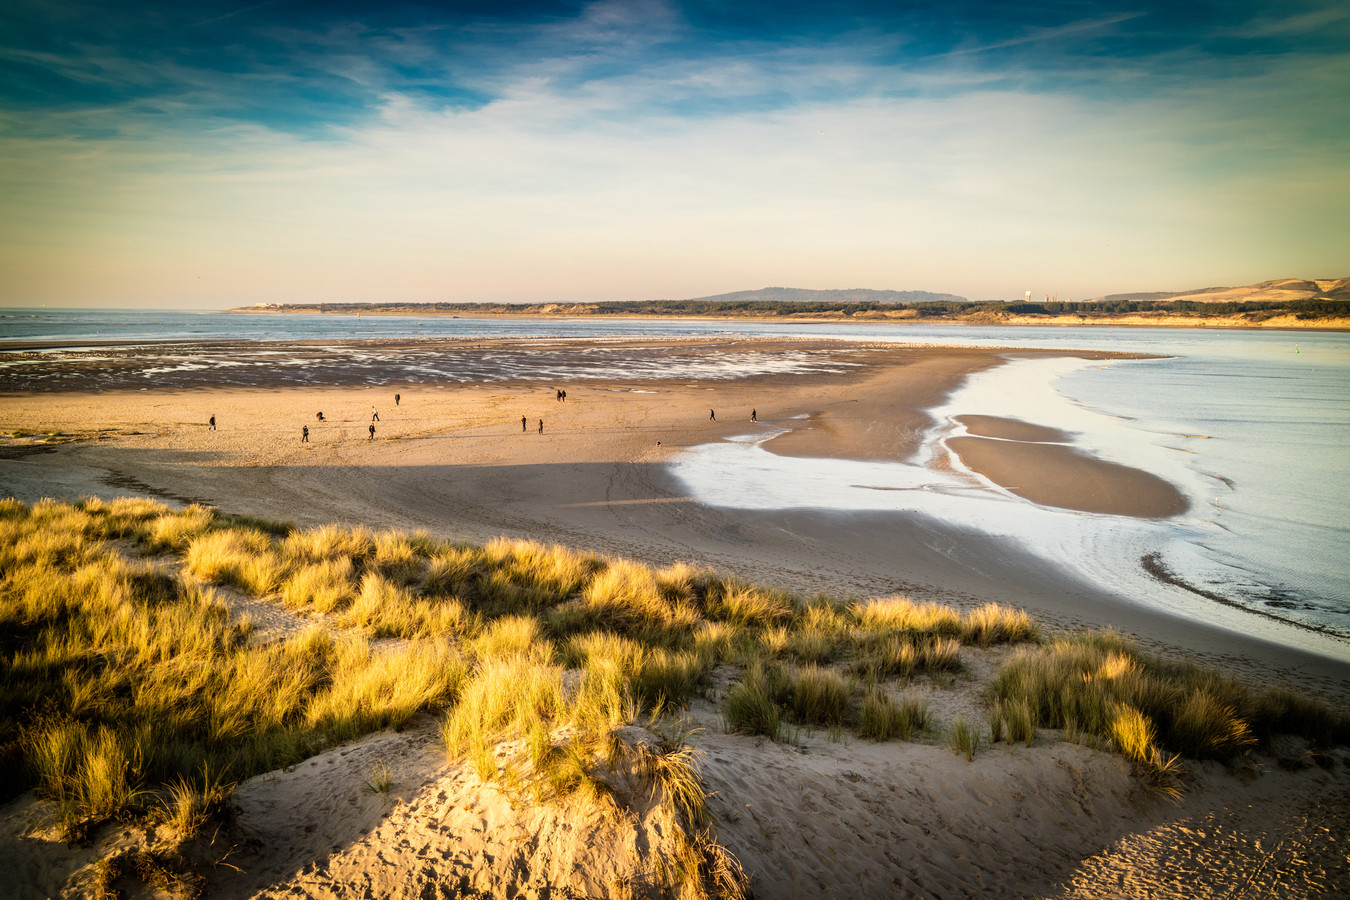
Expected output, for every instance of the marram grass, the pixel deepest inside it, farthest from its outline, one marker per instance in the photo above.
(112, 620)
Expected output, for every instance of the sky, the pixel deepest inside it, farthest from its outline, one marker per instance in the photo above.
(214, 154)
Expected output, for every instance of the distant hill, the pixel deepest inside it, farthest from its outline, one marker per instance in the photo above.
(851, 295)
(1281, 290)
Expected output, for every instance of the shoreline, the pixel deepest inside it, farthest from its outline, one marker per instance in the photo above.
(451, 459)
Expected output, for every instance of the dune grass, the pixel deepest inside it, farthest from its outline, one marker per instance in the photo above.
(126, 688)
(964, 738)
(1153, 711)
(882, 719)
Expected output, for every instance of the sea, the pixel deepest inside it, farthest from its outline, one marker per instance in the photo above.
(1252, 425)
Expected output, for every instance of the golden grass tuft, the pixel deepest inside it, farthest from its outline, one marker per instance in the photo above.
(240, 557)
(993, 623)
(1204, 727)
(504, 698)
(325, 585)
(512, 636)
(625, 595)
(175, 531)
(1099, 685)
(328, 542)
(747, 605)
(903, 614)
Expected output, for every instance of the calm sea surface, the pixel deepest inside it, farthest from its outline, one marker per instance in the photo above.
(1253, 425)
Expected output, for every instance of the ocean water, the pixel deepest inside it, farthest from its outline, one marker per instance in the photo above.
(1253, 426)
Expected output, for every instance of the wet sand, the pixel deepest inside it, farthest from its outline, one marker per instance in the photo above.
(1036, 463)
(1055, 475)
(1012, 430)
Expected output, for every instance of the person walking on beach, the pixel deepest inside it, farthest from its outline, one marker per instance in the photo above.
(522, 425)
(712, 415)
(374, 414)
(396, 399)
(211, 426)
(372, 431)
(541, 426)
(304, 434)
(753, 416)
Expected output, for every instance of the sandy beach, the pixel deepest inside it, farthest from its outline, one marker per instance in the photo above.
(501, 454)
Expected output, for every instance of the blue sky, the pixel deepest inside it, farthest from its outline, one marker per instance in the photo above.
(215, 154)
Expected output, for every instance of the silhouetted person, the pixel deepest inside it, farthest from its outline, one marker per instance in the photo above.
(211, 426)
(374, 414)
(754, 416)
(304, 435)
(372, 431)
(522, 425)
(712, 415)
(564, 396)
(396, 399)
(558, 393)
(541, 426)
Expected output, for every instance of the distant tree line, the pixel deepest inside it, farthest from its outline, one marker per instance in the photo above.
(1303, 309)
(1300, 308)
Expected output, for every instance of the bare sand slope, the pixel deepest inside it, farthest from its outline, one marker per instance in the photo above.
(808, 818)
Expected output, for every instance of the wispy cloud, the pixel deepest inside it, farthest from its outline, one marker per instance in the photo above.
(1052, 34)
(252, 7)
(1301, 23)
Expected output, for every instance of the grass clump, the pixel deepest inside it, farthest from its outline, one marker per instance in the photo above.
(752, 706)
(820, 697)
(883, 719)
(1098, 684)
(964, 738)
(904, 656)
(1014, 720)
(242, 557)
(745, 605)
(189, 804)
(326, 585)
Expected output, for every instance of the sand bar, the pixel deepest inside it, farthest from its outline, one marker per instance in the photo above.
(1007, 429)
(1054, 475)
